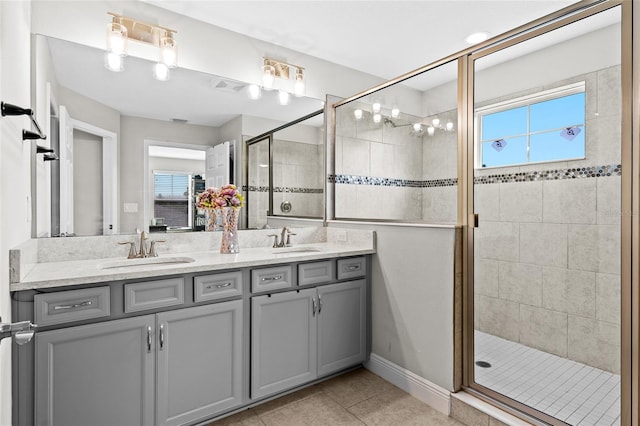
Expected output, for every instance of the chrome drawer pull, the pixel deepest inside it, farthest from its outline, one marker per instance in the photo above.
(227, 284)
(161, 336)
(319, 304)
(149, 341)
(74, 306)
(274, 278)
(313, 306)
(352, 267)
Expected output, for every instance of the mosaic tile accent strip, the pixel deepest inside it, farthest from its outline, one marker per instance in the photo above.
(572, 173)
(377, 181)
(296, 190)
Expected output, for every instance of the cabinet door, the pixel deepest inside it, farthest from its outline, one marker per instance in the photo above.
(341, 326)
(97, 374)
(283, 341)
(199, 362)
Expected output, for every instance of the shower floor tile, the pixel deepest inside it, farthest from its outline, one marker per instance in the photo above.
(575, 393)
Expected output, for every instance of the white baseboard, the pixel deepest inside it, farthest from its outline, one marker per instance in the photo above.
(414, 385)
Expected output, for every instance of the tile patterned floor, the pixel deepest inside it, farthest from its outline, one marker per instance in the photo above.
(570, 391)
(355, 398)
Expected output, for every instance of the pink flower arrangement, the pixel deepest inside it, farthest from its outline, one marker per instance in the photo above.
(227, 196)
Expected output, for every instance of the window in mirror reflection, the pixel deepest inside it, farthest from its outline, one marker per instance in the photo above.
(396, 151)
(171, 195)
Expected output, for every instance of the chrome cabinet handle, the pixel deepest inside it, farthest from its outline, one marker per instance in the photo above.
(227, 284)
(74, 306)
(274, 278)
(149, 341)
(313, 308)
(161, 336)
(352, 267)
(319, 304)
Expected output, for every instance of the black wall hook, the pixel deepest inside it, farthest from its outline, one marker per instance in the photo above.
(10, 109)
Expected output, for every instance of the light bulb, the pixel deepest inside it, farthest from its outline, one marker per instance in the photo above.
(431, 130)
(268, 76)
(435, 122)
(417, 127)
(117, 39)
(357, 114)
(113, 62)
(254, 92)
(377, 118)
(476, 37)
(161, 71)
(449, 126)
(283, 97)
(375, 108)
(169, 52)
(395, 111)
(299, 86)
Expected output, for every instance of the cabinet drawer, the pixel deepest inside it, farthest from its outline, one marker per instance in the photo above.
(71, 305)
(275, 278)
(153, 294)
(217, 286)
(352, 267)
(316, 272)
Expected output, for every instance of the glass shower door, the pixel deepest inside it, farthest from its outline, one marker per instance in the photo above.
(547, 184)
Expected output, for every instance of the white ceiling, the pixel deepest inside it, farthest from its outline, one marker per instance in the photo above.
(383, 38)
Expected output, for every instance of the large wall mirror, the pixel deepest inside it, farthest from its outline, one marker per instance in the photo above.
(133, 150)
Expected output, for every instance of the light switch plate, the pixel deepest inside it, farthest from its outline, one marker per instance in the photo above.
(131, 207)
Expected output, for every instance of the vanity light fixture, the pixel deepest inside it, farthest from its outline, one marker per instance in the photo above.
(417, 127)
(273, 69)
(395, 111)
(376, 107)
(377, 118)
(357, 114)
(121, 29)
(431, 130)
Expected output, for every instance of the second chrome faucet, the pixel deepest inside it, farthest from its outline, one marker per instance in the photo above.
(142, 251)
(286, 232)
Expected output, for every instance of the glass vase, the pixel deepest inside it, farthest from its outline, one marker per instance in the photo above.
(210, 218)
(229, 243)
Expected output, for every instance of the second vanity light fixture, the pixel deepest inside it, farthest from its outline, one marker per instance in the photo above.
(272, 70)
(418, 128)
(121, 29)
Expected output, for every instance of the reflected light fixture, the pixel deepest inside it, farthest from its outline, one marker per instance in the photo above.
(161, 71)
(254, 92)
(357, 114)
(417, 127)
(476, 38)
(283, 97)
(121, 29)
(431, 130)
(376, 107)
(114, 62)
(377, 118)
(395, 111)
(449, 126)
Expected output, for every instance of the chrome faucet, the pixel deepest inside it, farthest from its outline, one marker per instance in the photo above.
(142, 250)
(283, 242)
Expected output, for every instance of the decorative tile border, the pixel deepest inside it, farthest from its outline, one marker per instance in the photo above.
(558, 174)
(296, 190)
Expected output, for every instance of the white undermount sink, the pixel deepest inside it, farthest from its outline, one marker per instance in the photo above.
(296, 250)
(128, 263)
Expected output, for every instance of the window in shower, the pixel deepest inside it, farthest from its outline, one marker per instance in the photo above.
(543, 127)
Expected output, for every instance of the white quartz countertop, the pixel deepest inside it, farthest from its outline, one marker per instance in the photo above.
(78, 272)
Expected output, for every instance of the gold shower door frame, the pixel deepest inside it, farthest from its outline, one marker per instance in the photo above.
(630, 183)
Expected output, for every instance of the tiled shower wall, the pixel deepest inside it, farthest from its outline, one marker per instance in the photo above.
(547, 259)
(548, 246)
(386, 171)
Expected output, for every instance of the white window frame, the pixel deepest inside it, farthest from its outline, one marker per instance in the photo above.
(546, 95)
(190, 189)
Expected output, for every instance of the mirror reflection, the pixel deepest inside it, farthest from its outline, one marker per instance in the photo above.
(107, 182)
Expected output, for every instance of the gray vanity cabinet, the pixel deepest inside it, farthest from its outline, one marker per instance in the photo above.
(98, 374)
(298, 336)
(283, 341)
(342, 337)
(199, 362)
